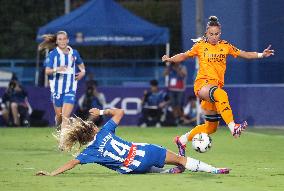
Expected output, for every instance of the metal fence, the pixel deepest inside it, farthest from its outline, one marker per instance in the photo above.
(107, 72)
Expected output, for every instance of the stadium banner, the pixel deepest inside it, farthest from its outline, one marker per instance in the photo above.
(260, 105)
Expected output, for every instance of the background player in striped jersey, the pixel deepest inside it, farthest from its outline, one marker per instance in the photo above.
(109, 150)
(208, 86)
(62, 65)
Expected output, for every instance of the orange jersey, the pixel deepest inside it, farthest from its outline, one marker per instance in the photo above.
(212, 58)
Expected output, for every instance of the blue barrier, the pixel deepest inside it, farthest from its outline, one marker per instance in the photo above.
(260, 105)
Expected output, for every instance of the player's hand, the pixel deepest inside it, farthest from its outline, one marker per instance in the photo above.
(61, 69)
(267, 52)
(162, 104)
(42, 173)
(165, 58)
(79, 75)
(94, 111)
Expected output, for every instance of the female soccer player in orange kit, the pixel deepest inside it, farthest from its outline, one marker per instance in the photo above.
(208, 86)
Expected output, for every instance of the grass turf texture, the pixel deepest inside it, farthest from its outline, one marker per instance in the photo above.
(256, 159)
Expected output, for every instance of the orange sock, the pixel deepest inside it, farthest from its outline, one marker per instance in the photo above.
(223, 105)
(207, 127)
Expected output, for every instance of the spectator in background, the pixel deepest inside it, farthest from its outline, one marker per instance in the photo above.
(175, 75)
(153, 104)
(5, 104)
(92, 98)
(16, 104)
(190, 112)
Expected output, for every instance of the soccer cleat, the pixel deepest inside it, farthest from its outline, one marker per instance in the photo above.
(221, 171)
(181, 147)
(176, 170)
(239, 128)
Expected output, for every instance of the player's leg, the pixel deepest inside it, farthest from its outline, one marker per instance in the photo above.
(15, 113)
(192, 164)
(66, 113)
(68, 105)
(217, 95)
(57, 101)
(210, 126)
(58, 115)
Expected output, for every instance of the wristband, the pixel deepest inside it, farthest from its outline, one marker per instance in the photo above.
(102, 112)
(259, 55)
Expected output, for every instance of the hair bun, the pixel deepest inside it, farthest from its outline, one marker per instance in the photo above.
(213, 18)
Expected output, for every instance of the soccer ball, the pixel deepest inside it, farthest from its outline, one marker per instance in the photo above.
(201, 142)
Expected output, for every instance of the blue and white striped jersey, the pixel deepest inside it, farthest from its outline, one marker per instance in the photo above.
(63, 82)
(111, 151)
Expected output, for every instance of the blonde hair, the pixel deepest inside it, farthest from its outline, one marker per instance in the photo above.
(75, 132)
(49, 41)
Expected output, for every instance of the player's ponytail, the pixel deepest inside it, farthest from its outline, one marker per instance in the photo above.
(49, 41)
(213, 21)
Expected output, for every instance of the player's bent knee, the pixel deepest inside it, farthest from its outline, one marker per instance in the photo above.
(211, 93)
(217, 92)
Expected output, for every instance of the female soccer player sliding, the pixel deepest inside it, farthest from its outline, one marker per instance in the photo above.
(109, 150)
(208, 86)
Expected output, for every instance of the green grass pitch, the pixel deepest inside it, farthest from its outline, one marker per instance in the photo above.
(256, 160)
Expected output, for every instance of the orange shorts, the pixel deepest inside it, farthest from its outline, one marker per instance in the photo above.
(199, 83)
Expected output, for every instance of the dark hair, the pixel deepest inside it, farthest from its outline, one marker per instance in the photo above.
(154, 83)
(213, 21)
(12, 84)
(91, 83)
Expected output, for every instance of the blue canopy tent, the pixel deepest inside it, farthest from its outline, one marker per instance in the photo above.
(105, 22)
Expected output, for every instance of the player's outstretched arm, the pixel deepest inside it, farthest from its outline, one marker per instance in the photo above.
(116, 113)
(176, 58)
(69, 165)
(253, 55)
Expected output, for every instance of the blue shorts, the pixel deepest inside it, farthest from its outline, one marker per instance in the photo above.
(154, 156)
(59, 99)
